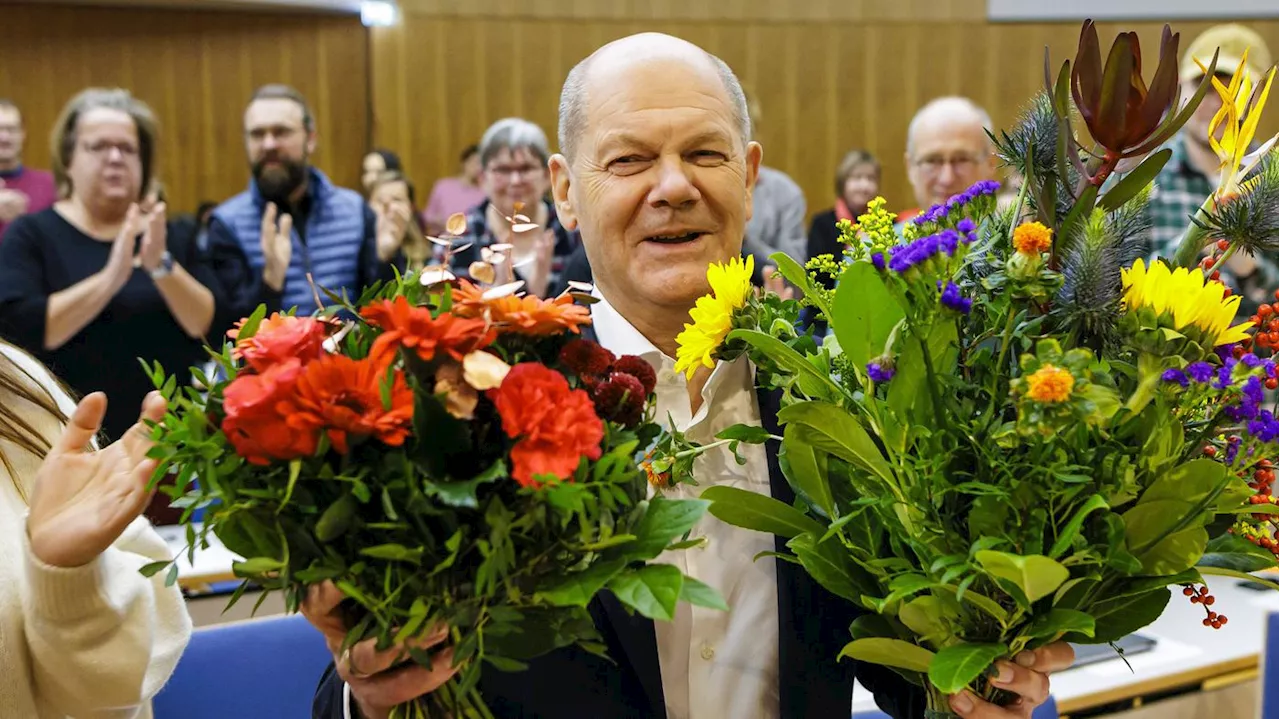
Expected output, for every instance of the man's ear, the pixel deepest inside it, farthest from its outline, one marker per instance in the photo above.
(311, 142)
(561, 182)
(755, 154)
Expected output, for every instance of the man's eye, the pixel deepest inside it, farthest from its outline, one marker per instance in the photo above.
(712, 155)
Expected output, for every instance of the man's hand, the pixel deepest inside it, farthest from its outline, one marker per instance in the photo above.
(379, 681)
(12, 203)
(277, 247)
(1027, 676)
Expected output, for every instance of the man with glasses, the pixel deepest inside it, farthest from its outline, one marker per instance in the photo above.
(293, 227)
(947, 151)
(22, 189)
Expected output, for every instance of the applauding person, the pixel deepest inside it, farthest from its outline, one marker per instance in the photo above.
(82, 633)
(92, 284)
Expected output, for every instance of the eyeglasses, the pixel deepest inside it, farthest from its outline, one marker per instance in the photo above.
(960, 164)
(519, 172)
(102, 149)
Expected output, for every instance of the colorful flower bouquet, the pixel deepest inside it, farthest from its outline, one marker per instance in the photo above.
(453, 456)
(1019, 431)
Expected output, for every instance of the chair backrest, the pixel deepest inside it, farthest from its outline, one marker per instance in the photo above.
(257, 669)
(1270, 666)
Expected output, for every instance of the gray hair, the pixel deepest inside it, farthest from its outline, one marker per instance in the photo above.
(62, 141)
(573, 103)
(952, 106)
(511, 134)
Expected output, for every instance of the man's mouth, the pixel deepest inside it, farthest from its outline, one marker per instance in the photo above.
(673, 239)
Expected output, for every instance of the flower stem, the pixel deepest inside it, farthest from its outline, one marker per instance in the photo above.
(1194, 239)
(999, 365)
(1231, 250)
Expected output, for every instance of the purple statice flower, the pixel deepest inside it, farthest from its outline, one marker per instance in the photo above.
(1264, 428)
(878, 373)
(924, 249)
(1224, 351)
(1174, 375)
(1253, 390)
(1245, 410)
(1200, 371)
(952, 298)
(877, 261)
(1233, 448)
(1251, 360)
(1269, 366)
(969, 229)
(1224, 373)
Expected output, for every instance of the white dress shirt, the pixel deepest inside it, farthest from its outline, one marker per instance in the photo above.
(714, 664)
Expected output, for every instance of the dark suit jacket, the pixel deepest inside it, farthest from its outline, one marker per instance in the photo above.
(570, 683)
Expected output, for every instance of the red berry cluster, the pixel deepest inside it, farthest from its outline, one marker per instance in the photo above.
(619, 387)
(1205, 599)
(1266, 332)
(1263, 477)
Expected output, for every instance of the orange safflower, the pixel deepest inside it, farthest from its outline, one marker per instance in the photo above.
(526, 315)
(1032, 238)
(416, 330)
(343, 397)
(1050, 385)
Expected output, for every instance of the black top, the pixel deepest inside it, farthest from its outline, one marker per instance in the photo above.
(42, 254)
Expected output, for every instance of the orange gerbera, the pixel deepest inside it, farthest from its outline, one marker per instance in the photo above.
(526, 315)
(415, 329)
(343, 397)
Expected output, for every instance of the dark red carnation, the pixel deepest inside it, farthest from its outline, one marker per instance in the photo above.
(638, 368)
(556, 426)
(256, 421)
(585, 358)
(621, 399)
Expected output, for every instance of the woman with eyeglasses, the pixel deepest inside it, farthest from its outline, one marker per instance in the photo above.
(516, 215)
(94, 284)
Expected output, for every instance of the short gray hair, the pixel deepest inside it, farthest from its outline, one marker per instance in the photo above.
(511, 134)
(573, 103)
(953, 104)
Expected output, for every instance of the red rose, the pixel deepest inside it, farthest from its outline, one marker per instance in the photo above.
(415, 329)
(586, 358)
(280, 337)
(556, 426)
(638, 368)
(621, 399)
(254, 422)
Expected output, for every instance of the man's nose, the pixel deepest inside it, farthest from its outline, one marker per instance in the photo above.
(674, 187)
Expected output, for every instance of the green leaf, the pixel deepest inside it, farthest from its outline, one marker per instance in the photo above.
(463, 493)
(701, 595)
(256, 565)
(295, 468)
(1072, 528)
(953, 668)
(806, 469)
(1231, 552)
(930, 617)
(1056, 622)
(837, 432)
(1223, 572)
(1035, 574)
(1177, 552)
(503, 664)
(908, 393)
(153, 568)
(336, 519)
(249, 327)
(1123, 616)
(1135, 180)
(796, 275)
(752, 510)
(812, 382)
(830, 566)
(1149, 523)
(1189, 482)
(865, 313)
(663, 521)
(394, 552)
(651, 590)
(889, 653)
(751, 434)
(577, 589)
(1082, 207)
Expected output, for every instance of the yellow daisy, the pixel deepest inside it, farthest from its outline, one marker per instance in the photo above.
(1185, 296)
(712, 315)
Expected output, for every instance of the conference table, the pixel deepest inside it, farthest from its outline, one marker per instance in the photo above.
(1186, 656)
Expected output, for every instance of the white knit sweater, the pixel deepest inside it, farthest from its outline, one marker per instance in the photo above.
(93, 642)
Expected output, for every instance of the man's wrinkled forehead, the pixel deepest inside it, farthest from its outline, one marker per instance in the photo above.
(628, 98)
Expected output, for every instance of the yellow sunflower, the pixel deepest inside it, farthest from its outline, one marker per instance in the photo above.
(712, 315)
(1186, 297)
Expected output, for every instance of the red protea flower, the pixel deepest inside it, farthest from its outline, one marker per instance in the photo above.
(621, 399)
(586, 358)
(638, 368)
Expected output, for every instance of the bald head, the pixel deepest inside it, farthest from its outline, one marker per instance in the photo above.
(948, 112)
(620, 55)
(948, 149)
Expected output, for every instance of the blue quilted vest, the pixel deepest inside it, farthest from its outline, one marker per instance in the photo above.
(335, 232)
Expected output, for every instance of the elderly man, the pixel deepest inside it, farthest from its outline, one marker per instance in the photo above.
(22, 189)
(657, 173)
(947, 151)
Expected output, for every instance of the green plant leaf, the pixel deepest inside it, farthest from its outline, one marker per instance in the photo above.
(1056, 622)
(751, 434)
(830, 565)
(796, 275)
(908, 394)
(1190, 482)
(701, 595)
(1222, 572)
(577, 589)
(954, 667)
(889, 653)
(336, 519)
(806, 469)
(1135, 180)
(1177, 552)
(929, 616)
(1228, 551)
(1116, 618)
(1072, 528)
(256, 565)
(1082, 208)
(751, 510)
(249, 327)
(1036, 575)
(663, 521)
(462, 493)
(812, 382)
(153, 568)
(839, 433)
(651, 590)
(865, 313)
(394, 552)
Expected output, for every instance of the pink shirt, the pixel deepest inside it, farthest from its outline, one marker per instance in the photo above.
(37, 185)
(448, 196)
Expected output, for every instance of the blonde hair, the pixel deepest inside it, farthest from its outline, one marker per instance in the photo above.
(63, 139)
(20, 392)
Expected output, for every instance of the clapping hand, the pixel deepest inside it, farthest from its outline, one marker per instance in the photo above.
(153, 238)
(1027, 677)
(393, 221)
(84, 498)
(774, 282)
(379, 681)
(277, 247)
(120, 262)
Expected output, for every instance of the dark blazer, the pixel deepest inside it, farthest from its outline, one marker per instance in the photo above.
(570, 683)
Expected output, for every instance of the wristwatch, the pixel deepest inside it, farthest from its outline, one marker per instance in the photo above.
(165, 268)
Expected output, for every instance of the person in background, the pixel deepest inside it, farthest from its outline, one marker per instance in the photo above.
(392, 194)
(82, 632)
(22, 189)
(293, 227)
(93, 284)
(947, 151)
(374, 164)
(514, 156)
(778, 212)
(1191, 173)
(451, 195)
(857, 184)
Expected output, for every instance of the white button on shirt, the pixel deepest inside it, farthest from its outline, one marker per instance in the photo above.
(714, 664)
